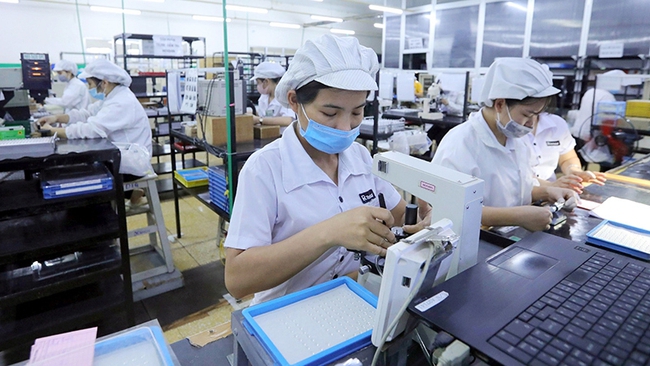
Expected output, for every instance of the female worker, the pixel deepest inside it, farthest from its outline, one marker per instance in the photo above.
(269, 110)
(118, 115)
(307, 198)
(489, 145)
(552, 146)
(75, 94)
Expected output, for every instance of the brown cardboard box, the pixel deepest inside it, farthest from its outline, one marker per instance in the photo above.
(266, 132)
(216, 130)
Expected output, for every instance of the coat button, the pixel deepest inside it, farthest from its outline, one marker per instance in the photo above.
(341, 199)
(335, 277)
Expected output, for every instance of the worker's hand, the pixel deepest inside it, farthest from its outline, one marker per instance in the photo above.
(444, 101)
(47, 120)
(256, 119)
(569, 181)
(534, 218)
(47, 126)
(563, 196)
(362, 229)
(591, 177)
(424, 214)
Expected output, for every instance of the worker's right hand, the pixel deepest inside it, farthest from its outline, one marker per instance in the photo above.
(362, 229)
(47, 120)
(570, 181)
(534, 218)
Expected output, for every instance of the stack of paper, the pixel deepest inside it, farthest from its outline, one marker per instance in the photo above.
(73, 348)
(624, 212)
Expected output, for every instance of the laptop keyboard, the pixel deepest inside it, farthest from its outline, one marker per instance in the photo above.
(597, 315)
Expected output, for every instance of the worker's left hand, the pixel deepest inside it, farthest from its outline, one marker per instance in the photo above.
(591, 177)
(569, 181)
(564, 196)
(424, 213)
(47, 126)
(47, 120)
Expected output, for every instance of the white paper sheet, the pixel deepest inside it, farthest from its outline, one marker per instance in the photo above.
(386, 85)
(406, 86)
(72, 348)
(191, 96)
(624, 212)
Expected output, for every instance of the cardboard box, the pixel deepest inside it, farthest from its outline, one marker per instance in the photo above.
(216, 130)
(638, 108)
(266, 132)
(641, 124)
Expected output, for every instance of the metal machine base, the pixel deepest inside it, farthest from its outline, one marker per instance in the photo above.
(157, 285)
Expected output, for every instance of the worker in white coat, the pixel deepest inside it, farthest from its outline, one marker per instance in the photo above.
(490, 146)
(269, 110)
(75, 95)
(552, 146)
(117, 116)
(452, 102)
(312, 191)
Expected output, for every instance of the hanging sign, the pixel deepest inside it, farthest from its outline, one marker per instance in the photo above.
(168, 45)
(611, 50)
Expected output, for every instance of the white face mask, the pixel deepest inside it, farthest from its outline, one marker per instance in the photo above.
(512, 129)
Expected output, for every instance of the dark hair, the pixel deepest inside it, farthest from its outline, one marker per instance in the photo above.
(97, 81)
(275, 80)
(308, 92)
(530, 100)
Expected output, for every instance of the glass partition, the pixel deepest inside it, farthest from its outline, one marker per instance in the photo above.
(557, 25)
(454, 44)
(503, 35)
(391, 42)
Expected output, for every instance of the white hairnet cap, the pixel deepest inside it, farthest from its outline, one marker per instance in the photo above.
(516, 78)
(338, 62)
(65, 65)
(268, 70)
(103, 69)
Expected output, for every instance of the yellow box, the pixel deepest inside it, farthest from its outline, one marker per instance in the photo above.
(192, 177)
(216, 131)
(266, 132)
(638, 108)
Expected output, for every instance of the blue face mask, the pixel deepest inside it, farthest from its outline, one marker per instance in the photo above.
(93, 93)
(327, 139)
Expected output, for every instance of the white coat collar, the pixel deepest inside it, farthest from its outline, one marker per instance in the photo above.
(486, 135)
(299, 169)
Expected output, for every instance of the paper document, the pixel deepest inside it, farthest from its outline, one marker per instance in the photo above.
(72, 348)
(623, 237)
(624, 212)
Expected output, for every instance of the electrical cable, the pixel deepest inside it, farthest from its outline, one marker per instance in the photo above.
(408, 300)
(424, 347)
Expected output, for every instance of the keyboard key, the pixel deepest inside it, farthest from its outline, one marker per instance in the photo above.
(631, 271)
(510, 350)
(594, 311)
(616, 286)
(531, 350)
(579, 301)
(583, 295)
(542, 335)
(566, 288)
(603, 277)
(576, 330)
(610, 358)
(629, 300)
(643, 309)
(580, 276)
(632, 329)
(550, 327)
(626, 276)
(534, 322)
(525, 316)
(620, 311)
(623, 305)
(538, 304)
(606, 257)
(552, 351)
(587, 317)
(605, 271)
(618, 352)
(519, 328)
(586, 345)
(641, 290)
(566, 312)
(563, 294)
(628, 337)
(614, 317)
(597, 337)
(590, 268)
(572, 361)
(547, 359)
(603, 331)
(508, 337)
(609, 324)
(608, 294)
(592, 284)
(639, 357)
(637, 267)
(581, 355)
(545, 313)
(632, 363)
(600, 362)
(626, 346)
(551, 302)
(560, 318)
(572, 306)
(572, 285)
(608, 301)
(589, 290)
(599, 305)
(597, 262)
(643, 348)
(585, 325)
(561, 345)
(536, 342)
(532, 310)
(599, 281)
(641, 323)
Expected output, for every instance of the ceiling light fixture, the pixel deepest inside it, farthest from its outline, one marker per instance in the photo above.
(209, 19)
(342, 31)
(516, 6)
(105, 9)
(379, 25)
(327, 19)
(247, 9)
(385, 9)
(9, 1)
(285, 25)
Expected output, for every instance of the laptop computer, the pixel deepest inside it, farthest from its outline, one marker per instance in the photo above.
(546, 300)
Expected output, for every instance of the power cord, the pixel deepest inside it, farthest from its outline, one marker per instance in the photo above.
(408, 300)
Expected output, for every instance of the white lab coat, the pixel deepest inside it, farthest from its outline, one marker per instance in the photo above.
(75, 96)
(456, 102)
(472, 148)
(551, 140)
(273, 109)
(281, 191)
(119, 118)
(580, 127)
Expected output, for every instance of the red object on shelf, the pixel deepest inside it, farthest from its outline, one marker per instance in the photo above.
(185, 147)
(151, 73)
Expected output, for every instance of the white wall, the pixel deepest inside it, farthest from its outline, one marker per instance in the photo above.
(51, 28)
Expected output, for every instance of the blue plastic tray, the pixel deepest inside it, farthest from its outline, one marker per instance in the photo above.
(328, 355)
(138, 335)
(592, 239)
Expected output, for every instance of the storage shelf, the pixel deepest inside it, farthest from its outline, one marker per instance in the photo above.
(150, 95)
(161, 149)
(24, 198)
(47, 315)
(27, 288)
(57, 232)
(164, 168)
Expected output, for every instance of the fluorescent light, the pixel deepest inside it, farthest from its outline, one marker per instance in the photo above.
(246, 9)
(327, 19)
(285, 25)
(379, 25)
(517, 6)
(104, 9)
(9, 1)
(318, 1)
(385, 9)
(342, 31)
(209, 19)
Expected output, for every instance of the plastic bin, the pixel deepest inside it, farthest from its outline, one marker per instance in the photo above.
(192, 177)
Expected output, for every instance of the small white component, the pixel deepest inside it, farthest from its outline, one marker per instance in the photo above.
(432, 301)
(456, 354)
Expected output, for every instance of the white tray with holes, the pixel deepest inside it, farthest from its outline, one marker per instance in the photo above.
(314, 326)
